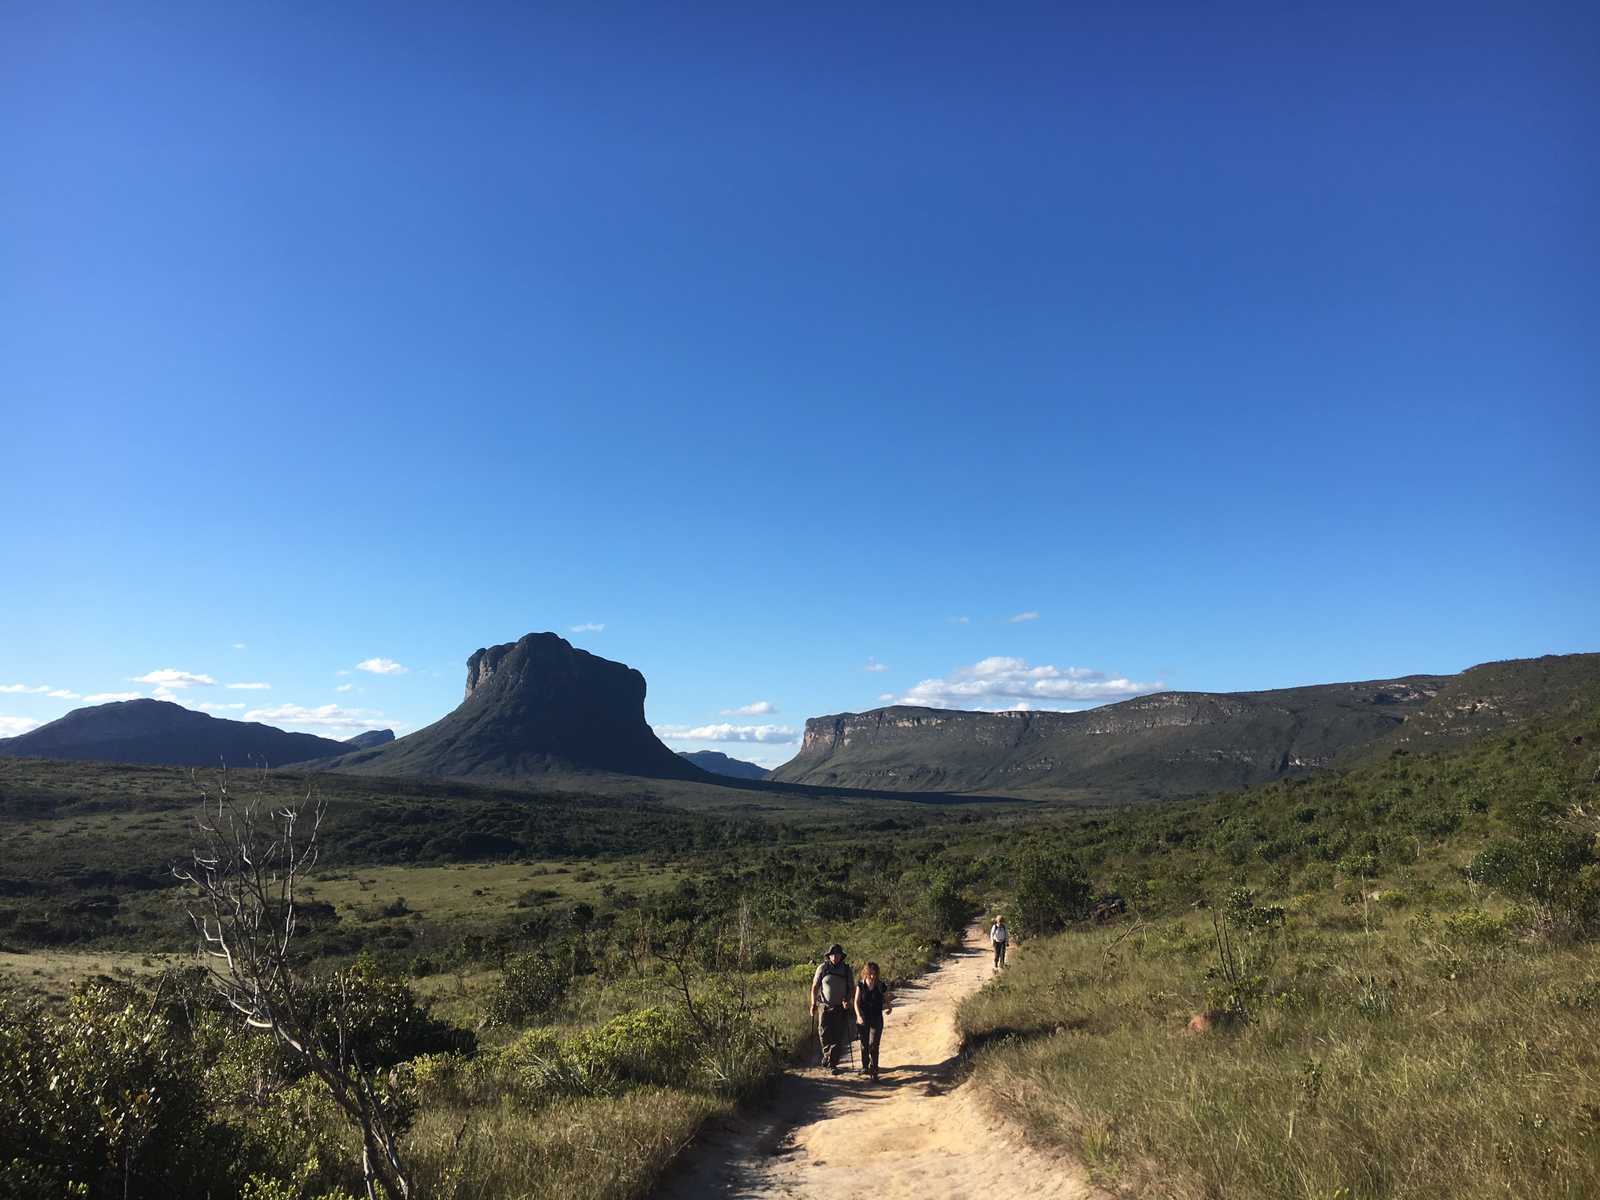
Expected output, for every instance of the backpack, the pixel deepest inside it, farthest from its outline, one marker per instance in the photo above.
(834, 983)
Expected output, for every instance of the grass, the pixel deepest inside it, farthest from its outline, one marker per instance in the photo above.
(1427, 1060)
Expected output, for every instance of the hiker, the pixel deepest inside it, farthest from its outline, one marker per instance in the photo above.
(872, 1001)
(832, 1002)
(999, 936)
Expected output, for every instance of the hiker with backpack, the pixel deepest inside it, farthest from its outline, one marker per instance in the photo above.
(832, 1000)
(872, 1001)
(1000, 937)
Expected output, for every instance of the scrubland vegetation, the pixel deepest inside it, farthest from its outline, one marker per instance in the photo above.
(1395, 967)
(532, 1027)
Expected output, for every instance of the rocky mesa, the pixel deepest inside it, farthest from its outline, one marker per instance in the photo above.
(1176, 743)
(532, 707)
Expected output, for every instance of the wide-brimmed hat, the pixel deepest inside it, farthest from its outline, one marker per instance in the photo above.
(834, 949)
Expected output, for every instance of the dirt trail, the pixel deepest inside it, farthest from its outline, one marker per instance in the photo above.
(911, 1134)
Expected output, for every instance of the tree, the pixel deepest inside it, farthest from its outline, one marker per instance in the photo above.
(1051, 892)
(246, 867)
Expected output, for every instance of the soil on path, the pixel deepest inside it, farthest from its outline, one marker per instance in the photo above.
(913, 1133)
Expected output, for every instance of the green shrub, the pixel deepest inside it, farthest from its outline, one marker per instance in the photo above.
(108, 1099)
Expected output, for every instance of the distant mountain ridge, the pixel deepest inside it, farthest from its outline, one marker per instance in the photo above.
(159, 731)
(371, 738)
(532, 707)
(719, 763)
(1175, 743)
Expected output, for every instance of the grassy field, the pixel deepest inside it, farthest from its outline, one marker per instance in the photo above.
(1401, 997)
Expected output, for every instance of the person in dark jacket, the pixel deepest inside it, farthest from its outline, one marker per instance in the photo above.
(832, 1000)
(872, 1001)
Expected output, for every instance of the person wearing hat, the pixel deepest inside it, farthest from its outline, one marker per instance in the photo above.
(999, 937)
(832, 1000)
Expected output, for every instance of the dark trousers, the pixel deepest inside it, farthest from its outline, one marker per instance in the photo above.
(833, 1031)
(1000, 954)
(871, 1035)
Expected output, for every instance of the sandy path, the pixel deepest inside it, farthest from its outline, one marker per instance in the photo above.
(912, 1134)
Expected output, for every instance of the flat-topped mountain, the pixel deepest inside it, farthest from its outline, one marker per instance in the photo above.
(158, 731)
(1176, 743)
(719, 763)
(533, 707)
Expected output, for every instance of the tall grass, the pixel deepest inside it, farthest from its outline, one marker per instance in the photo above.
(1385, 1057)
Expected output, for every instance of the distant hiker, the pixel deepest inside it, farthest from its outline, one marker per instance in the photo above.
(832, 1000)
(999, 936)
(872, 1001)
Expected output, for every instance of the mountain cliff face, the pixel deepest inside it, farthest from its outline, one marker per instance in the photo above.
(1180, 743)
(1172, 743)
(158, 731)
(532, 707)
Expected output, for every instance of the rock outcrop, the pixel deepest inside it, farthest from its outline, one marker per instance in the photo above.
(533, 707)
(158, 731)
(719, 763)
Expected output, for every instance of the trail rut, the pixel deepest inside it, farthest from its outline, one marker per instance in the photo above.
(914, 1133)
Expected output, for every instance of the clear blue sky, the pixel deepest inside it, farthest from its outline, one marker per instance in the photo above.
(1245, 345)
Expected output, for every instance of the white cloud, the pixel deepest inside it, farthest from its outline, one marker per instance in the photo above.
(218, 707)
(959, 620)
(1023, 616)
(109, 697)
(320, 719)
(759, 708)
(874, 665)
(249, 687)
(380, 666)
(16, 726)
(164, 693)
(999, 683)
(238, 645)
(63, 694)
(167, 677)
(24, 689)
(728, 733)
(589, 627)
(345, 687)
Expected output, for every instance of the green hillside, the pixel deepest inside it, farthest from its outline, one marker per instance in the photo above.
(1396, 963)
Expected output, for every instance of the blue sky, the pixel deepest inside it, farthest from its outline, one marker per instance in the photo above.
(803, 349)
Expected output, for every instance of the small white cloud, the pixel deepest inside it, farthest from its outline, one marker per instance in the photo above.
(238, 645)
(727, 733)
(874, 665)
(24, 689)
(218, 707)
(249, 687)
(63, 694)
(167, 677)
(589, 627)
(999, 683)
(1023, 616)
(164, 693)
(17, 726)
(110, 697)
(380, 666)
(345, 687)
(959, 620)
(323, 717)
(759, 708)
(886, 696)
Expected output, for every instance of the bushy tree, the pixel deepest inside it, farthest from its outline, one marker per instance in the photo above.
(1051, 892)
